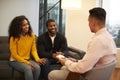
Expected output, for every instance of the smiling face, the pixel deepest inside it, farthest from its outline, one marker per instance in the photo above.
(25, 26)
(51, 28)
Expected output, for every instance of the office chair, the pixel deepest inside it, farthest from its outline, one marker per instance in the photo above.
(97, 73)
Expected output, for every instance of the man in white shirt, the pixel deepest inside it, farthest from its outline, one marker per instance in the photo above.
(101, 49)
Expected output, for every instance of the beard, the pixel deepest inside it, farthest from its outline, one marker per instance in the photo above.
(52, 32)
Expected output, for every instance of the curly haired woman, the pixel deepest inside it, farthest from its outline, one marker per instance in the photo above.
(22, 45)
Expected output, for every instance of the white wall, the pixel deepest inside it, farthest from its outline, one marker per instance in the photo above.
(11, 8)
(77, 30)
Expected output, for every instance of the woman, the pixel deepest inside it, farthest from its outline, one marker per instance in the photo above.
(22, 44)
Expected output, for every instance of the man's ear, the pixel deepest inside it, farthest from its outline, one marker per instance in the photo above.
(94, 22)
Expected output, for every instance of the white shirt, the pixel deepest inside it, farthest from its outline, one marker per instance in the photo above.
(52, 39)
(101, 50)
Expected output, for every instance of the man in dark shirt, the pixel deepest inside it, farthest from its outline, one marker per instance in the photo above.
(50, 44)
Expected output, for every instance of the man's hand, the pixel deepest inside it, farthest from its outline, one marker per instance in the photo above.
(60, 56)
(56, 54)
(63, 60)
(72, 59)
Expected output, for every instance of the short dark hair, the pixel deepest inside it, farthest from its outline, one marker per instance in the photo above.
(48, 21)
(99, 13)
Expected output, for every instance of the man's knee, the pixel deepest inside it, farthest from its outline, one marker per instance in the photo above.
(58, 75)
(50, 75)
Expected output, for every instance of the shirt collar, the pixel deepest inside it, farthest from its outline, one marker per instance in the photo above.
(100, 31)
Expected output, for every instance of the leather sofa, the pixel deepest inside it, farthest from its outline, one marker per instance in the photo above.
(8, 73)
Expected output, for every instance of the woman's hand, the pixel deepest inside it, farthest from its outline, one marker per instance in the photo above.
(42, 61)
(31, 65)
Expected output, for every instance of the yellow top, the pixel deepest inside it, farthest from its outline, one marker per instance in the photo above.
(22, 48)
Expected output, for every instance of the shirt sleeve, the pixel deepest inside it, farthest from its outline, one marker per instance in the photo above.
(89, 60)
(34, 50)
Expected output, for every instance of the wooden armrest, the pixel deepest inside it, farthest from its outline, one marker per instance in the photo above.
(73, 76)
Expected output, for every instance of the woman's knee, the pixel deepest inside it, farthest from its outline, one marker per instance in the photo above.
(37, 67)
(28, 68)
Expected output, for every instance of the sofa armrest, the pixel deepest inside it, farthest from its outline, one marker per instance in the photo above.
(76, 53)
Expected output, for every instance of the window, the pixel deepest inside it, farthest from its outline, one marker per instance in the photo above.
(113, 18)
(51, 9)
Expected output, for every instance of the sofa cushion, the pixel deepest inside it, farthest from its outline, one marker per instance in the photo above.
(17, 74)
(5, 70)
(4, 56)
(4, 48)
(3, 39)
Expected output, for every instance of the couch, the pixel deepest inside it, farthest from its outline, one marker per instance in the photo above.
(8, 73)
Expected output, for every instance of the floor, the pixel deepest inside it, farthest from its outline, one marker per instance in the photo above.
(116, 74)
